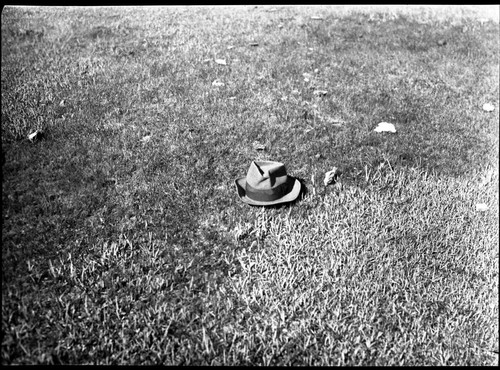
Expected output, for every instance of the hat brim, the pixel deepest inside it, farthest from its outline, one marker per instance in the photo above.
(289, 197)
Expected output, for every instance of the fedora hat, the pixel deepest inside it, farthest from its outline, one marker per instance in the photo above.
(266, 184)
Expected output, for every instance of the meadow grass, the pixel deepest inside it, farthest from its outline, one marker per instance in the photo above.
(122, 250)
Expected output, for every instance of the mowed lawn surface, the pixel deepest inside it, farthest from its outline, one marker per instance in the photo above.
(124, 240)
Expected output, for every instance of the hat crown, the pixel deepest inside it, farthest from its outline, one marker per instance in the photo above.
(266, 175)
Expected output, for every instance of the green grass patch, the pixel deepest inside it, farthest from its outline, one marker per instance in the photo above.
(117, 250)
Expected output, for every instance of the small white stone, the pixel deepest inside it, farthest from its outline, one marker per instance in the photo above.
(217, 83)
(482, 207)
(385, 127)
(488, 107)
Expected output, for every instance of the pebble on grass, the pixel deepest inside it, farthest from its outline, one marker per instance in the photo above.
(482, 207)
(488, 107)
(385, 127)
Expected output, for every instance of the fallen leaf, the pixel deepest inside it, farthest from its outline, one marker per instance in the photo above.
(385, 127)
(317, 18)
(334, 122)
(331, 176)
(482, 207)
(217, 83)
(62, 103)
(320, 92)
(487, 178)
(488, 107)
(317, 156)
(258, 146)
(33, 136)
(221, 61)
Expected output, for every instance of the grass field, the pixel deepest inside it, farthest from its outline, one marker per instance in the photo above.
(124, 240)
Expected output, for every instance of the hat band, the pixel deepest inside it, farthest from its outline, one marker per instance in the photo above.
(268, 195)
